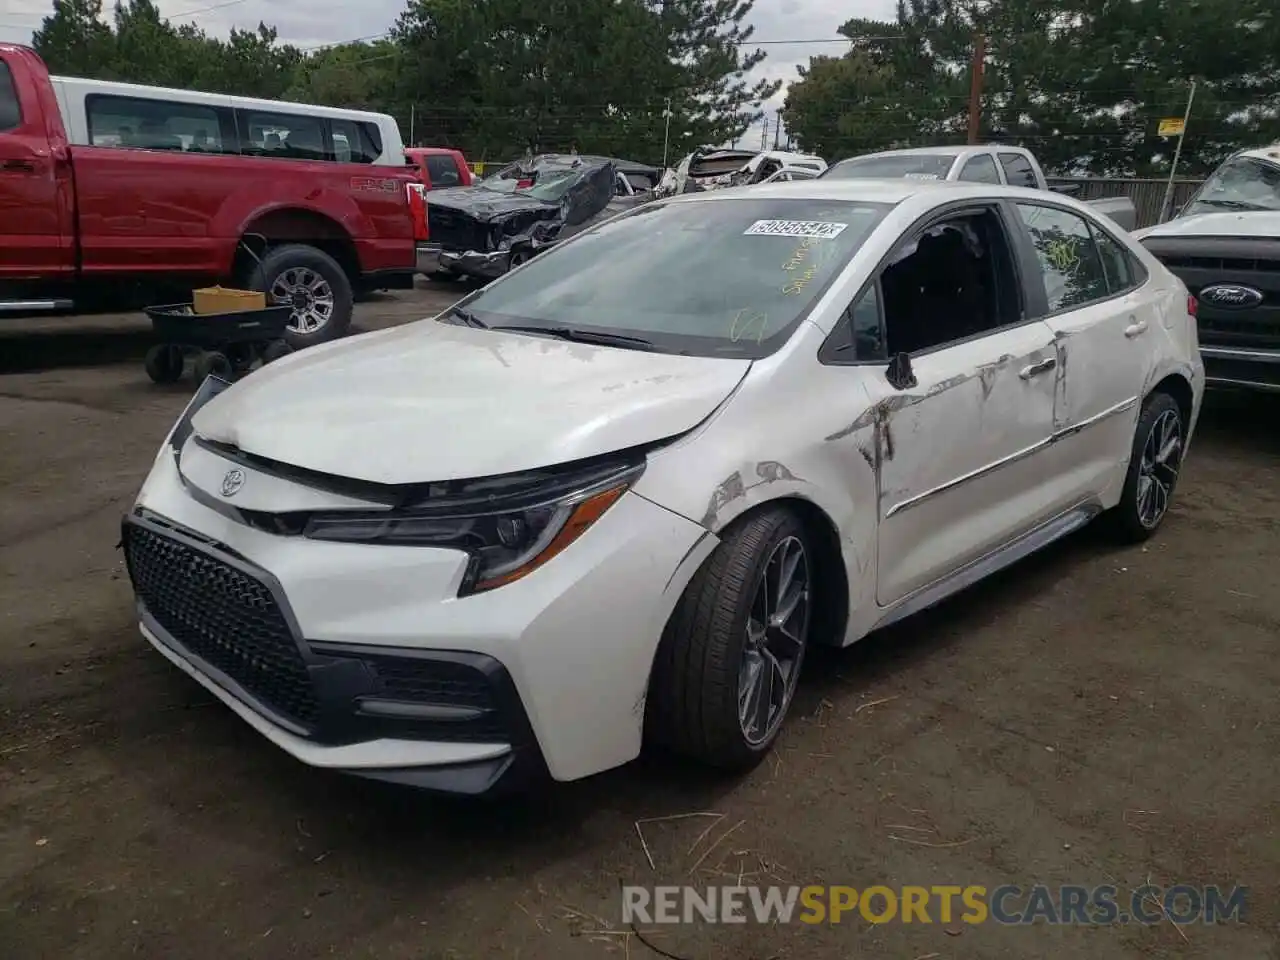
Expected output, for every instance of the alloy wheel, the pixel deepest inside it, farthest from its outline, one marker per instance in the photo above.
(1158, 470)
(309, 294)
(777, 630)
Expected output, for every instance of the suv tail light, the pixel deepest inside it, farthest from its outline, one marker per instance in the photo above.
(1193, 305)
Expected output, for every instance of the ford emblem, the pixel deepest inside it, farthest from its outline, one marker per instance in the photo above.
(1231, 296)
(232, 482)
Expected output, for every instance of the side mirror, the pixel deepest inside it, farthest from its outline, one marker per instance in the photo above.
(899, 373)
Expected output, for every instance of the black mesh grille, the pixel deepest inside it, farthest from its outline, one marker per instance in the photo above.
(442, 683)
(224, 616)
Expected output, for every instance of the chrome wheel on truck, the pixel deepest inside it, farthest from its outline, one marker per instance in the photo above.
(314, 285)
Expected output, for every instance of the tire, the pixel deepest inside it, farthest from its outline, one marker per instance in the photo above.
(164, 363)
(693, 702)
(315, 283)
(275, 350)
(213, 364)
(1154, 466)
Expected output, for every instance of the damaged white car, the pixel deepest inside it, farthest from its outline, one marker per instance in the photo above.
(613, 497)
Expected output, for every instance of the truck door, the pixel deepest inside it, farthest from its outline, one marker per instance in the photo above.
(36, 238)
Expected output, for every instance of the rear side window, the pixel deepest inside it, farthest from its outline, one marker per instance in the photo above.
(443, 171)
(1018, 170)
(1069, 258)
(351, 142)
(284, 136)
(146, 124)
(1122, 271)
(10, 112)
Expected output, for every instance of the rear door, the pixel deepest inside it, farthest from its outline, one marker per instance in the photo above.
(36, 200)
(1104, 327)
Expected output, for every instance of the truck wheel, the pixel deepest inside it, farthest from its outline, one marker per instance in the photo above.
(315, 286)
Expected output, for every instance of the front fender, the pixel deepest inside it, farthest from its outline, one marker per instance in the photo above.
(784, 437)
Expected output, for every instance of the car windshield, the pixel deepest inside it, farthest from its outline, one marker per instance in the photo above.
(1244, 183)
(715, 277)
(919, 166)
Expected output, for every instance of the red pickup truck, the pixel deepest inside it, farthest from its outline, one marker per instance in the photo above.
(439, 167)
(111, 187)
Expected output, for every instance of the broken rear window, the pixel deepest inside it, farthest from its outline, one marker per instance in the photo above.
(728, 277)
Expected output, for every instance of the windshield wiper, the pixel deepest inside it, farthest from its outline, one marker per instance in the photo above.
(581, 336)
(1233, 204)
(467, 317)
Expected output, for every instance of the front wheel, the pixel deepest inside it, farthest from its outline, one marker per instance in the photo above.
(730, 657)
(1154, 466)
(314, 285)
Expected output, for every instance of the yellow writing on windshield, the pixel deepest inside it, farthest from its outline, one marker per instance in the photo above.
(748, 324)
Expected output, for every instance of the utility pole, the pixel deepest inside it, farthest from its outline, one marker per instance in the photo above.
(666, 135)
(777, 130)
(764, 136)
(411, 119)
(1177, 155)
(975, 86)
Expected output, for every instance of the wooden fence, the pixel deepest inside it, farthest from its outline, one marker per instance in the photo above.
(1147, 195)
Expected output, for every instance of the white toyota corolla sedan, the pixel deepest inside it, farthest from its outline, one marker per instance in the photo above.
(614, 496)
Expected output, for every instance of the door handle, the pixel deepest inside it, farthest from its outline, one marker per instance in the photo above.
(1135, 329)
(19, 166)
(1038, 368)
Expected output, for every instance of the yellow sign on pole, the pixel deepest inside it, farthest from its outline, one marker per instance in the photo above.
(1172, 128)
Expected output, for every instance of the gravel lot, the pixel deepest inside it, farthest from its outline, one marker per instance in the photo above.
(1091, 717)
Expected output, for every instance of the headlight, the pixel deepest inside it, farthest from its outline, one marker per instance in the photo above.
(510, 526)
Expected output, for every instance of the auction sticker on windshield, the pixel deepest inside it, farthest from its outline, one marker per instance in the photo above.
(817, 229)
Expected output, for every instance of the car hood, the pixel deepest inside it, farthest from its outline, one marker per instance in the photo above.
(485, 204)
(432, 401)
(1257, 223)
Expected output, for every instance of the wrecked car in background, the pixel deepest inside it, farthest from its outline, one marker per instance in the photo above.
(706, 169)
(486, 230)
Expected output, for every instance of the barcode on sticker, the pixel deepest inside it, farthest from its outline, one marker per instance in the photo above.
(815, 229)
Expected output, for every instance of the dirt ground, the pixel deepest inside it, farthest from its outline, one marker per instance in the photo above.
(1093, 716)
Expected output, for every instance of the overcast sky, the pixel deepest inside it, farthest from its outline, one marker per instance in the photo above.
(311, 23)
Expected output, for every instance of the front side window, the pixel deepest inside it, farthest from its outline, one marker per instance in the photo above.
(980, 169)
(1245, 183)
(145, 124)
(1069, 259)
(912, 166)
(10, 111)
(282, 136)
(954, 281)
(718, 277)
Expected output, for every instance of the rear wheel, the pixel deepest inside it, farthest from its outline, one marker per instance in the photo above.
(314, 284)
(730, 657)
(1154, 465)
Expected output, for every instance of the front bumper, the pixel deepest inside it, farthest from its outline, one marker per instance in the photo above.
(364, 660)
(1241, 368)
(472, 263)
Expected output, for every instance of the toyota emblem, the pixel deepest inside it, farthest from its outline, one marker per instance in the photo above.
(232, 482)
(1231, 296)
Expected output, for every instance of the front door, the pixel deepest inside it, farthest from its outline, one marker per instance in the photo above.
(1103, 330)
(961, 441)
(962, 455)
(35, 200)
